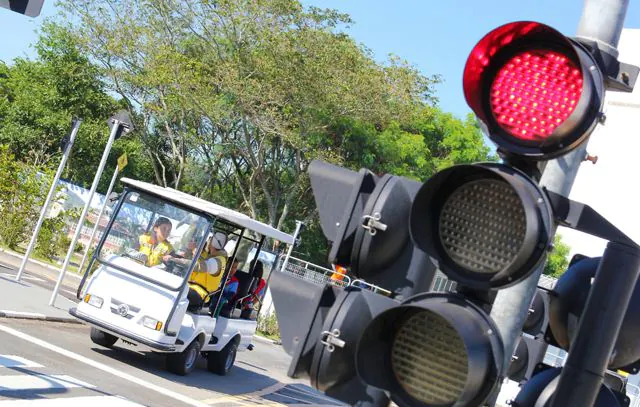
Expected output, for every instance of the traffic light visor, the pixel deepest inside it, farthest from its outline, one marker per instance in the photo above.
(537, 92)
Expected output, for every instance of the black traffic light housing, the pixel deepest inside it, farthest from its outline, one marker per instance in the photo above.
(30, 8)
(370, 228)
(532, 347)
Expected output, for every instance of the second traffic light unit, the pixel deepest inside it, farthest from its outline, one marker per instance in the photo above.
(487, 226)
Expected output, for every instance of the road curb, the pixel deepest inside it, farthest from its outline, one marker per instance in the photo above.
(266, 340)
(34, 316)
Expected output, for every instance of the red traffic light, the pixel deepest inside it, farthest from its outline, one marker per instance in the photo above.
(538, 93)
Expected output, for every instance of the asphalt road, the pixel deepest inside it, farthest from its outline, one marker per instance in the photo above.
(44, 364)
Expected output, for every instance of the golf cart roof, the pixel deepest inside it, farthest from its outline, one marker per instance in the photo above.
(210, 208)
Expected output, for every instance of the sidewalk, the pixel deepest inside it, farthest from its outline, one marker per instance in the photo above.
(29, 297)
(22, 299)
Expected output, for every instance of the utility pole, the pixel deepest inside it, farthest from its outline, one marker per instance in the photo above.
(601, 22)
(119, 123)
(95, 228)
(267, 302)
(68, 144)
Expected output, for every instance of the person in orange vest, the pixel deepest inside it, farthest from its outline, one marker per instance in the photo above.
(339, 273)
(208, 271)
(154, 245)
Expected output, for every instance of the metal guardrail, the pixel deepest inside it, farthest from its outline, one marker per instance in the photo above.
(315, 274)
(322, 275)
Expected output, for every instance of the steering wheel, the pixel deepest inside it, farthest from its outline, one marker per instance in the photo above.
(173, 267)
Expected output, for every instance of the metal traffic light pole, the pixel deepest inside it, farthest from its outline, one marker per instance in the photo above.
(602, 22)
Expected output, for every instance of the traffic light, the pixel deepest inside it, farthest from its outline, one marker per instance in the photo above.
(532, 346)
(366, 217)
(566, 307)
(487, 226)
(538, 93)
(539, 391)
(29, 8)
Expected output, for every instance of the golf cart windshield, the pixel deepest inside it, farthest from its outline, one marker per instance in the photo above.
(153, 238)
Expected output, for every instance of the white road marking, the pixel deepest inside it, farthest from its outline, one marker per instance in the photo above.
(16, 361)
(93, 401)
(101, 366)
(40, 382)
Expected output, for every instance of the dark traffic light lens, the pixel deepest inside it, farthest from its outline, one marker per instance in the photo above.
(429, 359)
(534, 92)
(433, 350)
(483, 225)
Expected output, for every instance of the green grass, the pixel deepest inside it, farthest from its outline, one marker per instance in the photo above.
(273, 337)
(76, 258)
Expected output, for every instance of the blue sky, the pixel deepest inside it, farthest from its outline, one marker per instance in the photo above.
(435, 36)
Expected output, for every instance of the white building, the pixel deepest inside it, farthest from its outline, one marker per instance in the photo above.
(610, 186)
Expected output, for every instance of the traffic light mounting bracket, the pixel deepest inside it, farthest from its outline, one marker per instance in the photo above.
(619, 76)
(583, 218)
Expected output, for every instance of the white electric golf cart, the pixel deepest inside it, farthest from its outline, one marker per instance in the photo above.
(123, 298)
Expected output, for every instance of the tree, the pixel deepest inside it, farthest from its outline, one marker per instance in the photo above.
(234, 98)
(557, 261)
(38, 99)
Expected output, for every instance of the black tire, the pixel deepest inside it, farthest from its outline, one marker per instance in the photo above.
(184, 362)
(102, 338)
(221, 362)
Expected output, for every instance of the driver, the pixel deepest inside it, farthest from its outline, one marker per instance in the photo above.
(155, 245)
(208, 271)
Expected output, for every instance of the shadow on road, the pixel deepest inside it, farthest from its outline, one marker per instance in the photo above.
(242, 386)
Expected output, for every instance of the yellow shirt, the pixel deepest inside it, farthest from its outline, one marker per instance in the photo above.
(201, 280)
(154, 253)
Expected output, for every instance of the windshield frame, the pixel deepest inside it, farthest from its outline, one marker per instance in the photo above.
(96, 254)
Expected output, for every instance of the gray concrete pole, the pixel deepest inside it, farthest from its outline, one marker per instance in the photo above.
(95, 228)
(295, 236)
(52, 190)
(96, 180)
(601, 21)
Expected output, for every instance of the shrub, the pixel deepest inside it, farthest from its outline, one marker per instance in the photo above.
(268, 325)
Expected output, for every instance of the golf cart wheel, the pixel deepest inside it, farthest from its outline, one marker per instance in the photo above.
(221, 362)
(182, 363)
(102, 338)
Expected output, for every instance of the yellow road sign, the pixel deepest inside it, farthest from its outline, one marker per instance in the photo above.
(122, 162)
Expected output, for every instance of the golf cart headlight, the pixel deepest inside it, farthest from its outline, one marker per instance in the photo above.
(93, 300)
(152, 323)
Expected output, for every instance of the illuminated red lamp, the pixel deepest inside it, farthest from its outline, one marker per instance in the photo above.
(538, 93)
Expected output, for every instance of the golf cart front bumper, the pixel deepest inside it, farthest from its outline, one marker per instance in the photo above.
(162, 347)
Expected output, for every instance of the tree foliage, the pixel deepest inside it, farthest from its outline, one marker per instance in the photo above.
(232, 99)
(558, 259)
(38, 99)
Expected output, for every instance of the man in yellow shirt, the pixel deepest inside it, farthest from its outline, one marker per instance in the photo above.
(154, 245)
(208, 271)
